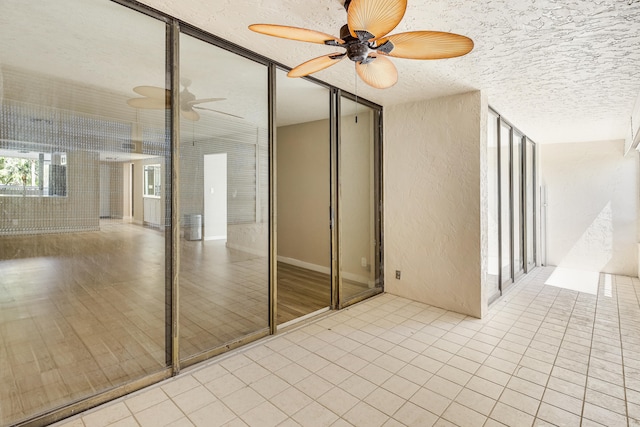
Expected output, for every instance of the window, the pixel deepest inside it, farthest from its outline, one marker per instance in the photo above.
(24, 173)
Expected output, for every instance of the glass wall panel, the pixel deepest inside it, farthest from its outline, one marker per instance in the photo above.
(224, 193)
(358, 197)
(530, 203)
(493, 231)
(82, 249)
(516, 201)
(505, 202)
(518, 238)
(303, 197)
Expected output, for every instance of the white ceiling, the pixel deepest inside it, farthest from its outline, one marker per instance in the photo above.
(560, 70)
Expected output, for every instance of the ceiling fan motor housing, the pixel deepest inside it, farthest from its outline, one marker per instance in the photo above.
(357, 51)
(357, 48)
(185, 98)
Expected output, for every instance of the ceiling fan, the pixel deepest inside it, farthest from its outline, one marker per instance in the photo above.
(367, 43)
(158, 98)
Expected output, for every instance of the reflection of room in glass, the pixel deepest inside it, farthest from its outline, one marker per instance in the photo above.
(152, 181)
(82, 287)
(25, 173)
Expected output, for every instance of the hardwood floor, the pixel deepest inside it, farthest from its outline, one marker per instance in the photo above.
(81, 313)
(301, 291)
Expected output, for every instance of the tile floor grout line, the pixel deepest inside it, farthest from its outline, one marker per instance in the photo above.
(408, 400)
(518, 289)
(432, 374)
(529, 345)
(624, 378)
(595, 319)
(340, 417)
(546, 386)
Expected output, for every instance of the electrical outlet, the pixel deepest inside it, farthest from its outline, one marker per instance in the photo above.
(398, 274)
(363, 262)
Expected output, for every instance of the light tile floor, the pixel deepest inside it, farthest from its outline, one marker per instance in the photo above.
(543, 355)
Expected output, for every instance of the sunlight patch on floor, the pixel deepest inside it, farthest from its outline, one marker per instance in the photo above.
(575, 280)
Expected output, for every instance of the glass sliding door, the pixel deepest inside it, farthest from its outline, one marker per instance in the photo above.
(136, 239)
(224, 194)
(82, 294)
(303, 194)
(514, 200)
(493, 230)
(530, 197)
(506, 276)
(517, 204)
(359, 196)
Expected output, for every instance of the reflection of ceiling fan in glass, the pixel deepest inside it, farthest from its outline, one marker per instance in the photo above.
(367, 43)
(157, 98)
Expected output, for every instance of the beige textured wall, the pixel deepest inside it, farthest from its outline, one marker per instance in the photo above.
(356, 198)
(434, 194)
(592, 206)
(303, 196)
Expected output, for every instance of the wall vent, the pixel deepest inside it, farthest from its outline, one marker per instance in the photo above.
(128, 146)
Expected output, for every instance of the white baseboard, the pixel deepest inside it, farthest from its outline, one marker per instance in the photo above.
(359, 279)
(215, 237)
(304, 264)
(326, 270)
(252, 251)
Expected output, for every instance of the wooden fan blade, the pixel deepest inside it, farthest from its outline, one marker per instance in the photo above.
(219, 112)
(190, 115)
(316, 64)
(200, 101)
(427, 45)
(379, 73)
(148, 103)
(152, 91)
(294, 33)
(370, 19)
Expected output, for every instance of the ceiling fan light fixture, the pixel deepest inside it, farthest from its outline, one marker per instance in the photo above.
(157, 98)
(367, 44)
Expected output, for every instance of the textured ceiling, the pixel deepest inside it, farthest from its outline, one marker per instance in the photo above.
(560, 70)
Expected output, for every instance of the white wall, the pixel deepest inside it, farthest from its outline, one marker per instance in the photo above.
(215, 196)
(592, 198)
(435, 201)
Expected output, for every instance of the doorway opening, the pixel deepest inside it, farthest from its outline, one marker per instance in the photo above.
(303, 171)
